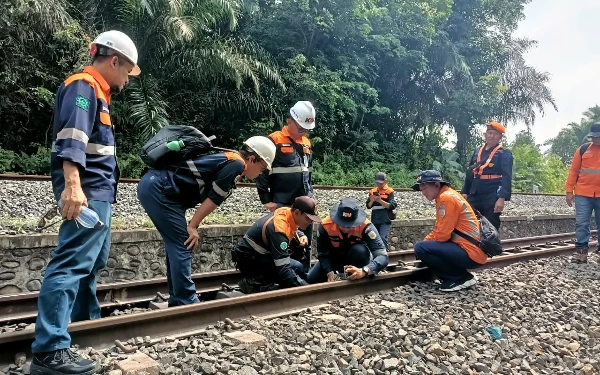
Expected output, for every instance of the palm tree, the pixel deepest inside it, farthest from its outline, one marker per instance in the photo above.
(526, 88)
(186, 44)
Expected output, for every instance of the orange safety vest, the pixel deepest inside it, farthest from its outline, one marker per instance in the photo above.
(479, 171)
(335, 235)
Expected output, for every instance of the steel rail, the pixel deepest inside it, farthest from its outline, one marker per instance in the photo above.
(19, 177)
(23, 307)
(102, 333)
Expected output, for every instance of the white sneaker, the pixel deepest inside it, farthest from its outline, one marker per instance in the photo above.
(453, 287)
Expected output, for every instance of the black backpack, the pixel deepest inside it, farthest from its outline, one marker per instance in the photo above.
(490, 239)
(584, 148)
(156, 154)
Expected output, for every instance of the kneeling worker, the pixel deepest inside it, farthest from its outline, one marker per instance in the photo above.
(347, 242)
(208, 179)
(444, 251)
(263, 255)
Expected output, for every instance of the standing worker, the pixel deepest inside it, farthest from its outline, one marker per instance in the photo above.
(583, 188)
(291, 175)
(488, 182)
(84, 173)
(382, 204)
(348, 243)
(448, 254)
(263, 255)
(208, 179)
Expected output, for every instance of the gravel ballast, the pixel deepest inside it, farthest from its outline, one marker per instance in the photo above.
(547, 310)
(23, 203)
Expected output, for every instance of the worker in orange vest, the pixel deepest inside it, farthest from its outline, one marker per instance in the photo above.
(383, 205)
(448, 254)
(583, 188)
(488, 182)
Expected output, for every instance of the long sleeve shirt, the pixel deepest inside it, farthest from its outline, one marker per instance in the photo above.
(332, 244)
(584, 174)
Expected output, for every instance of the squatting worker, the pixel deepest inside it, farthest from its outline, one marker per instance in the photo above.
(84, 173)
(382, 204)
(166, 194)
(263, 255)
(447, 254)
(583, 188)
(291, 175)
(348, 243)
(488, 182)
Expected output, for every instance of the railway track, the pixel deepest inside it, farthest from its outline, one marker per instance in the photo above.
(23, 307)
(102, 333)
(18, 177)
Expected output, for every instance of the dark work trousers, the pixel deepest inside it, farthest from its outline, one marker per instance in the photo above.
(484, 202)
(263, 268)
(168, 217)
(358, 255)
(69, 285)
(384, 232)
(447, 260)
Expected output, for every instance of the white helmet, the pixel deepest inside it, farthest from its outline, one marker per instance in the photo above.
(304, 114)
(263, 147)
(122, 44)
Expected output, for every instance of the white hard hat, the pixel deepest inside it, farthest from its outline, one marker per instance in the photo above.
(304, 114)
(263, 147)
(122, 44)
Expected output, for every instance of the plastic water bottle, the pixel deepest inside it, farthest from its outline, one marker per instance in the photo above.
(161, 150)
(87, 218)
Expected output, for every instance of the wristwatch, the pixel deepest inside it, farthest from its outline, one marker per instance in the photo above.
(366, 271)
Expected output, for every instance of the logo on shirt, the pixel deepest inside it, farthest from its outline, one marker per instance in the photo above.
(372, 235)
(283, 246)
(82, 102)
(442, 210)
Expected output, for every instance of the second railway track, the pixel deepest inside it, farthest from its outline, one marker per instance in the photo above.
(102, 333)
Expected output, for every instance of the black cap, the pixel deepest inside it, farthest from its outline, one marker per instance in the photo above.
(594, 130)
(347, 213)
(380, 177)
(429, 176)
(307, 206)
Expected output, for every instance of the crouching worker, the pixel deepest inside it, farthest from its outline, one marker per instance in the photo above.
(444, 251)
(263, 255)
(348, 245)
(208, 179)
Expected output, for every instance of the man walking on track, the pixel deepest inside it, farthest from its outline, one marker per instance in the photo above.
(84, 173)
(583, 188)
(488, 182)
(291, 175)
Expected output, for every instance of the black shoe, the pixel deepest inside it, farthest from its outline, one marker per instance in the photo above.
(456, 286)
(61, 362)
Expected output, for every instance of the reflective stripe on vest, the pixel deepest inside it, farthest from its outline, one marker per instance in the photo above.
(378, 208)
(92, 149)
(474, 232)
(479, 171)
(296, 169)
(259, 249)
(589, 171)
(196, 173)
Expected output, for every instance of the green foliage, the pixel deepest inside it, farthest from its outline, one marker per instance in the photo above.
(531, 167)
(385, 75)
(131, 166)
(7, 160)
(450, 168)
(573, 135)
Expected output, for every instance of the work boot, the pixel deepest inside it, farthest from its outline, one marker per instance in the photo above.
(61, 362)
(580, 256)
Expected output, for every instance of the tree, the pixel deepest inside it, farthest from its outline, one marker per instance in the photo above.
(573, 135)
(531, 167)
